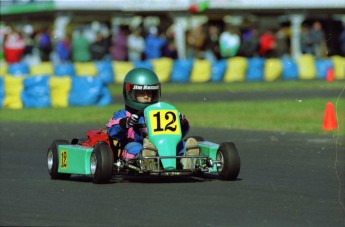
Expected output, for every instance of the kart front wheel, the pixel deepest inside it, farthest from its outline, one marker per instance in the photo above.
(101, 163)
(53, 160)
(229, 161)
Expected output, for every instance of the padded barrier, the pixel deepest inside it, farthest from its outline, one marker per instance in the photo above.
(339, 67)
(3, 68)
(218, 70)
(85, 69)
(36, 92)
(143, 64)
(272, 69)
(181, 70)
(18, 69)
(322, 66)
(164, 67)
(64, 69)
(189, 70)
(42, 68)
(236, 70)
(105, 72)
(201, 71)
(255, 69)
(13, 87)
(120, 70)
(87, 91)
(59, 90)
(306, 67)
(290, 69)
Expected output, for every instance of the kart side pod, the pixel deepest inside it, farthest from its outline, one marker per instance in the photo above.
(74, 159)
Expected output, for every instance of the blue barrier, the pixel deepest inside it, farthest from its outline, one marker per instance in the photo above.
(181, 70)
(322, 66)
(255, 69)
(143, 64)
(64, 69)
(290, 69)
(217, 70)
(88, 91)
(105, 71)
(36, 92)
(18, 69)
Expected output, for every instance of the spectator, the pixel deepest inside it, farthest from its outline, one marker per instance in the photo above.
(282, 46)
(98, 48)
(63, 49)
(250, 44)
(119, 47)
(13, 47)
(28, 40)
(229, 42)
(136, 45)
(44, 45)
(306, 40)
(170, 49)
(154, 44)
(318, 39)
(267, 44)
(212, 52)
(80, 48)
(195, 42)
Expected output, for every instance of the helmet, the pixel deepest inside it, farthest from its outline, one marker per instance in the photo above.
(140, 79)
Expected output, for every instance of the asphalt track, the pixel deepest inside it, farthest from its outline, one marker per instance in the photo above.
(286, 179)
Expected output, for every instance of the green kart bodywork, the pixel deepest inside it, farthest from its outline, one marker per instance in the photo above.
(164, 131)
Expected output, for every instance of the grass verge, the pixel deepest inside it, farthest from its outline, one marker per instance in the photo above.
(305, 116)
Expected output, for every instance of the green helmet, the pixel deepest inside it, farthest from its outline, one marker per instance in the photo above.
(140, 79)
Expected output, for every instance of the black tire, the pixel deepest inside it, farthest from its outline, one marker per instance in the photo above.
(230, 165)
(53, 160)
(101, 163)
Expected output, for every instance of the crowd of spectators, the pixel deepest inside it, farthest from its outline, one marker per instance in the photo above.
(206, 41)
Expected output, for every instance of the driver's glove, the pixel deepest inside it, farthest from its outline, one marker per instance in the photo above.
(132, 120)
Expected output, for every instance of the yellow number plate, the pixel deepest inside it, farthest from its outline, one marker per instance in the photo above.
(63, 155)
(164, 122)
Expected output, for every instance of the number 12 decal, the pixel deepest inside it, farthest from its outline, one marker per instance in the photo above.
(164, 122)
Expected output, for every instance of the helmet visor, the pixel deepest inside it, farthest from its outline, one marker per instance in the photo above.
(143, 93)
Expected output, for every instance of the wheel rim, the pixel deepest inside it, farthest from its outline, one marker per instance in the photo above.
(93, 163)
(220, 158)
(50, 159)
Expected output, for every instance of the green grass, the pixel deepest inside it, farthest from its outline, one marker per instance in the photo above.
(304, 116)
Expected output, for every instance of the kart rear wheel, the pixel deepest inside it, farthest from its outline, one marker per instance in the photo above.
(101, 163)
(230, 165)
(53, 160)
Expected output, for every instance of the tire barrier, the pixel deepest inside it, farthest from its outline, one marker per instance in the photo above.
(48, 91)
(84, 83)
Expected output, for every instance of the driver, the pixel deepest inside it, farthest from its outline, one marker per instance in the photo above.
(141, 88)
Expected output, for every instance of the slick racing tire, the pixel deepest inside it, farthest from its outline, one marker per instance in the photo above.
(230, 164)
(53, 160)
(101, 163)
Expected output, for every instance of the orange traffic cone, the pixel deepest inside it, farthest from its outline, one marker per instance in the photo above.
(329, 120)
(330, 75)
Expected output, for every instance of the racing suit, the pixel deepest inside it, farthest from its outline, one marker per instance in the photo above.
(132, 138)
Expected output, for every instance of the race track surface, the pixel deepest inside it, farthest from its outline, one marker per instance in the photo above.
(286, 179)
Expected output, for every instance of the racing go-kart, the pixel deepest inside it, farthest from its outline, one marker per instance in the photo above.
(100, 157)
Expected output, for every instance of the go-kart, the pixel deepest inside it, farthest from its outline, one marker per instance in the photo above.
(100, 157)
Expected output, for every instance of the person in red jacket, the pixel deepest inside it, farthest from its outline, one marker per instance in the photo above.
(267, 44)
(14, 46)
